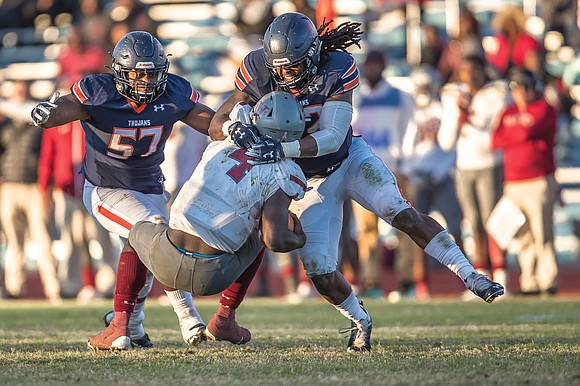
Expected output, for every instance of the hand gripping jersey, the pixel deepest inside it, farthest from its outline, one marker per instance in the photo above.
(125, 141)
(337, 74)
(223, 199)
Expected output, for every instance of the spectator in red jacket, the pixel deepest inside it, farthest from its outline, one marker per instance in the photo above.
(526, 133)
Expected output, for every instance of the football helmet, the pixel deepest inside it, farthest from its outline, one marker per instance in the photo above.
(140, 67)
(292, 40)
(278, 115)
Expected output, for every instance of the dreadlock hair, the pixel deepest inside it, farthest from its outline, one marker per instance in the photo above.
(341, 37)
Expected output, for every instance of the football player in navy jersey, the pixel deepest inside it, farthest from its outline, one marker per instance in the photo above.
(315, 67)
(127, 116)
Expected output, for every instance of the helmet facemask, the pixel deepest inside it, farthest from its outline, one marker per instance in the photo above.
(139, 85)
(308, 64)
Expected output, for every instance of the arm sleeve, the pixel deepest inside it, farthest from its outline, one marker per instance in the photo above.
(335, 120)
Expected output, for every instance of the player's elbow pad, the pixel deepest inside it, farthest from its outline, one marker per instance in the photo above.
(335, 119)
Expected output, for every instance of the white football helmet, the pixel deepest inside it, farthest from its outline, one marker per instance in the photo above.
(278, 115)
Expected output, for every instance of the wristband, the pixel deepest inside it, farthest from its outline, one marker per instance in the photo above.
(291, 149)
(226, 128)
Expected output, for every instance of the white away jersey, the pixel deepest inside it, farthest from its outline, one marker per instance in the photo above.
(223, 199)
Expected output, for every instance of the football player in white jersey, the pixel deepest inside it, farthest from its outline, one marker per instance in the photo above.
(220, 222)
(314, 65)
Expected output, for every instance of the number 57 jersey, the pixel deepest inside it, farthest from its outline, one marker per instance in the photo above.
(222, 201)
(125, 141)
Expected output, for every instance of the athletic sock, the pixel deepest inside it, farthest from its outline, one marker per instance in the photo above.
(183, 306)
(443, 249)
(131, 277)
(352, 309)
(233, 296)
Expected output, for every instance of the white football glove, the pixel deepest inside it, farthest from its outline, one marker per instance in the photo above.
(41, 111)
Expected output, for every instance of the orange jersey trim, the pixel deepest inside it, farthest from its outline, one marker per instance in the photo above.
(352, 84)
(136, 107)
(79, 93)
(116, 219)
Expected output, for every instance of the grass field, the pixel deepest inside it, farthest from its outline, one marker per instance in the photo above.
(512, 342)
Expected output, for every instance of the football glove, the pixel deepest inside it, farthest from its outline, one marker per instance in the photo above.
(266, 151)
(41, 112)
(244, 136)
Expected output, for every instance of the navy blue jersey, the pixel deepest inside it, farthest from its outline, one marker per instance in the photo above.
(125, 141)
(337, 74)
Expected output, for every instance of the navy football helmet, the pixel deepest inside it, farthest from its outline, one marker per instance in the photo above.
(140, 67)
(292, 40)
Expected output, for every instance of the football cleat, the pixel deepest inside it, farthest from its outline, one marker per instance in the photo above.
(192, 335)
(360, 337)
(483, 287)
(220, 328)
(113, 338)
(142, 342)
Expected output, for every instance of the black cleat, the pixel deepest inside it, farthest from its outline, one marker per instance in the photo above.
(360, 338)
(143, 342)
(483, 287)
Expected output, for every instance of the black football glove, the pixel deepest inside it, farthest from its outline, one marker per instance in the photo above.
(41, 111)
(266, 151)
(244, 136)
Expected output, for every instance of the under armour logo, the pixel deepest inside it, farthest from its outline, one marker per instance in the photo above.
(270, 154)
(159, 107)
(312, 88)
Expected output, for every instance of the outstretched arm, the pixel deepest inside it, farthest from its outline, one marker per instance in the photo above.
(68, 109)
(276, 235)
(199, 117)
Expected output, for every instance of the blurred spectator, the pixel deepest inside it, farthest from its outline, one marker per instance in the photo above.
(515, 47)
(20, 194)
(433, 45)
(61, 186)
(133, 12)
(127, 16)
(431, 167)
(254, 17)
(383, 114)
(561, 16)
(526, 132)
(23, 13)
(466, 43)
(17, 13)
(79, 58)
(472, 108)
(304, 7)
(93, 23)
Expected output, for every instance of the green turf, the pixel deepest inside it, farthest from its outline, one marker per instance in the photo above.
(513, 342)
